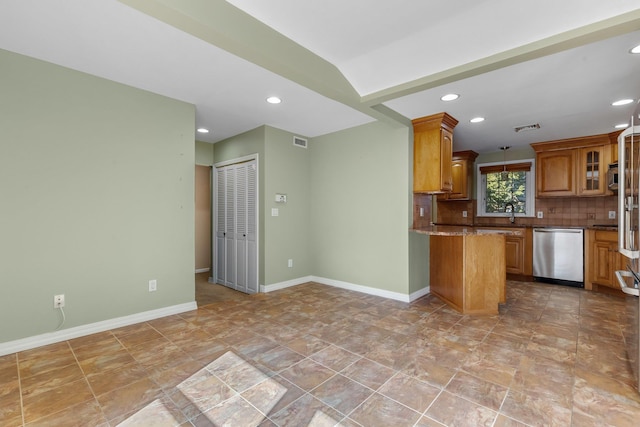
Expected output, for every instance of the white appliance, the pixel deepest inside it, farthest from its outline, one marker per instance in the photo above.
(629, 235)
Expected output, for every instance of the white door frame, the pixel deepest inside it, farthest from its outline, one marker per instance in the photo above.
(214, 216)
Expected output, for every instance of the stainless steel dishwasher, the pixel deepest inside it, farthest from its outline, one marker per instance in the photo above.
(558, 256)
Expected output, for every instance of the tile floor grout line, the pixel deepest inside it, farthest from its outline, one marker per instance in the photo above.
(84, 376)
(17, 358)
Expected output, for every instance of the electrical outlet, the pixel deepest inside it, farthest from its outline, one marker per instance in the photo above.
(421, 212)
(290, 263)
(153, 285)
(58, 301)
(540, 214)
(464, 214)
(612, 214)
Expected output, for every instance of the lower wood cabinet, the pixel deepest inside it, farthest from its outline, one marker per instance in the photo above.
(604, 258)
(519, 251)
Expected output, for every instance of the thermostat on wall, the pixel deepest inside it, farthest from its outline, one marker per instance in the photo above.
(281, 198)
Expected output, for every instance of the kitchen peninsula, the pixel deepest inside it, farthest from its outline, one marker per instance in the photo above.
(467, 266)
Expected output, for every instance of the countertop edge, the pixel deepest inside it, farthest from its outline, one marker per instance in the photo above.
(460, 230)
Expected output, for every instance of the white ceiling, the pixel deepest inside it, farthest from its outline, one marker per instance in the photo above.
(560, 64)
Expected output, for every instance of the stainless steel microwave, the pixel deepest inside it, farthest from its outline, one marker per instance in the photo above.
(612, 177)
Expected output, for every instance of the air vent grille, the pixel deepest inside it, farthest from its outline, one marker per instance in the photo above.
(299, 142)
(527, 127)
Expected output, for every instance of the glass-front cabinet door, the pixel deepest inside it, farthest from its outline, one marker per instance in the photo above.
(592, 167)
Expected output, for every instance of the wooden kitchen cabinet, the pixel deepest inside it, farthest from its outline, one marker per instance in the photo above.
(592, 166)
(556, 173)
(514, 246)
(461, 176)
(605, 258)
(518, 251)
(433, 153)
(573, 167)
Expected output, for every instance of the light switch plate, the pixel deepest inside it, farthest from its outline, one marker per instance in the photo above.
(540, 214)
(612, 214)
(275, 212)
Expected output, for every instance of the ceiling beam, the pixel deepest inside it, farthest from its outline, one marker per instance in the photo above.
(598, 31)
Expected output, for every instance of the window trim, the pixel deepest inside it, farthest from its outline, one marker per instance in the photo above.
(530, 189)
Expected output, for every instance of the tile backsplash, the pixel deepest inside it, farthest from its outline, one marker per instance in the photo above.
(558, 211)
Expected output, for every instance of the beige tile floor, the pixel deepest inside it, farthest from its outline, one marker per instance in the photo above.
(316, 355)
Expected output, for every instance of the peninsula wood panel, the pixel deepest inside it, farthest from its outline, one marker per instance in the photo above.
(469, 272)
(485, 273)
(447, 269)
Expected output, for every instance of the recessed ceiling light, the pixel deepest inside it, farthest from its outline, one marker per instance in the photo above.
(622, 126)
(477, 120)
(622, 102)
(203, 130)
(274, 100)
(635, 49)
(450, 97)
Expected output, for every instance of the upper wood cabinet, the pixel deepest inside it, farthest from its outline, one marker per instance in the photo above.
(592, 170)
(461, 176)
(572, 167)
(556, 174)
(432, 153)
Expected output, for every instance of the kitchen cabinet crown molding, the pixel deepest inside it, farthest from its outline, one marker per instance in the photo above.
(435, 121)
(577, 142)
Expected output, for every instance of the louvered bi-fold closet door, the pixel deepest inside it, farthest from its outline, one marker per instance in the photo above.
(236, 226)
(252, 227)
(225, 227)
(241, 227)
(230, 228)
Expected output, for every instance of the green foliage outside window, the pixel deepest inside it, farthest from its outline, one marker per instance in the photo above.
(506, 187)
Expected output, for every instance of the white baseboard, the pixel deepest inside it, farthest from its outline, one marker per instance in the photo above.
(418, 294)
(364, 289)
(202, 270)
(349, 286)
(15, 346)
(286, 284)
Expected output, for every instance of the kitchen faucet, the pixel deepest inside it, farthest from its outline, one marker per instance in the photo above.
(508, 207)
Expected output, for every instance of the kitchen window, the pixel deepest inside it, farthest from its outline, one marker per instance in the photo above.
(506, 184)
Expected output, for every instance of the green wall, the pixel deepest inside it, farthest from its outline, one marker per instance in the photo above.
(348, 207)
(360, 206)
(283, 169)
(204, 153)
(97, 185)
(286, 235)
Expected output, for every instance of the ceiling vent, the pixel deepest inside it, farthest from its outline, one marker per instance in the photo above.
(527, 127)
(299, 142)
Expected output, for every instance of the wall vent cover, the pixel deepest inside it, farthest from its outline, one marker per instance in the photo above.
(527, 127)
(299, 142)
